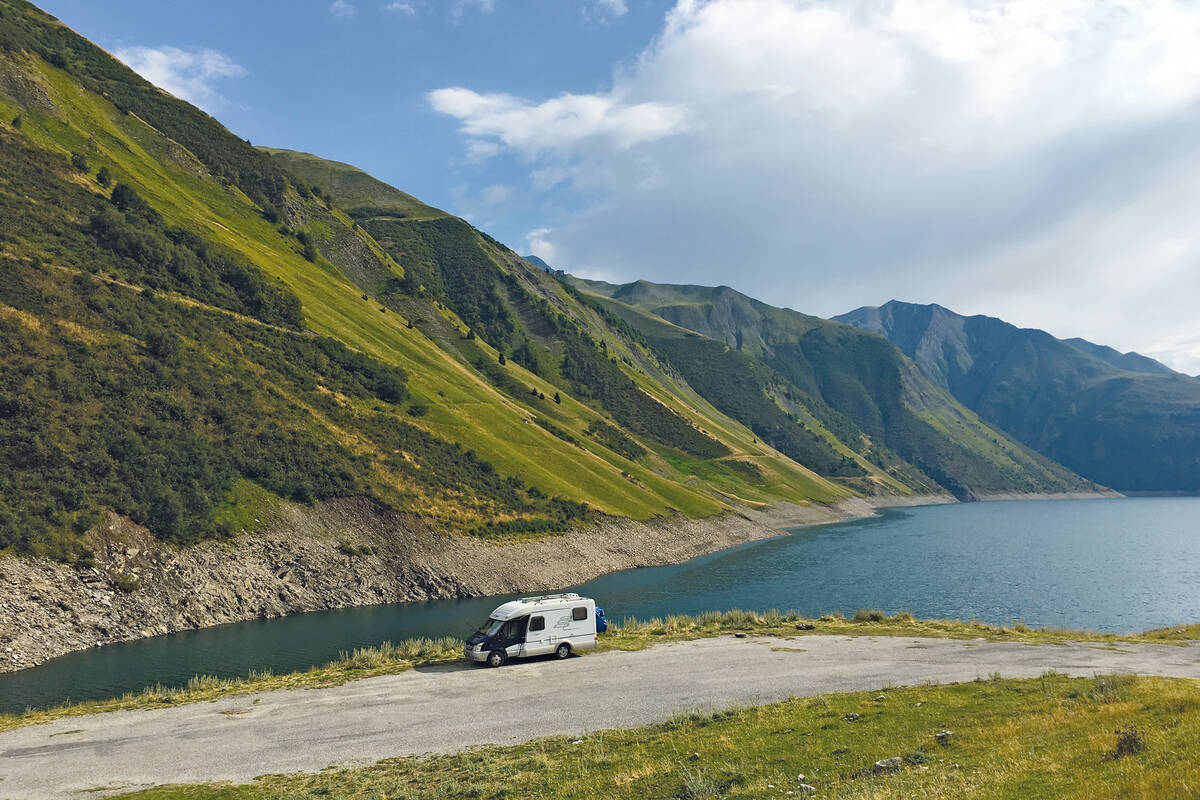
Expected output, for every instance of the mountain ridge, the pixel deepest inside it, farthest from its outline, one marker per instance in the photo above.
(1121, 419)
(827, 377)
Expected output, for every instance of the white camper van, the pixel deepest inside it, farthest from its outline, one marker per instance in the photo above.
(534, 626)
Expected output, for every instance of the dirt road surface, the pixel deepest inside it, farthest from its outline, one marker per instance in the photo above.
(448, 708)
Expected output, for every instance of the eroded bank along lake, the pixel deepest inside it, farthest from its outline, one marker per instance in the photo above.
(1117, 566)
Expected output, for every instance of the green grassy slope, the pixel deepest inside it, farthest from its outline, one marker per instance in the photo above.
(459, 402)
(802, 383)
(352, 189)
(503, 305)
(238, 324)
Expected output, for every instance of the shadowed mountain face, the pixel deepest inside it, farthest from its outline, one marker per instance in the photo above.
(803, 383)
(1123, 420)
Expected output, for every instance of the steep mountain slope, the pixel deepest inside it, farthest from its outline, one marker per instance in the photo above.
(354, 189)
(196, 330)
(1120, 419)
(537, 262)
(827, 393)
(212, 322)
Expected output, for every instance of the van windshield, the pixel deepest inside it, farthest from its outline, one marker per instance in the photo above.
(491, 627)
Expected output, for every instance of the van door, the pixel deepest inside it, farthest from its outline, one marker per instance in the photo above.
(511, 638)
(536, 637)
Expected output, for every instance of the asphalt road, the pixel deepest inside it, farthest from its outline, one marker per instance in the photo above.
(441, 709)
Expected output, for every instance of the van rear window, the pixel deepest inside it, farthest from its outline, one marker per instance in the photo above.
(579, 613)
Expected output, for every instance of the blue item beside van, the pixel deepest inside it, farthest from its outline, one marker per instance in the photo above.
(601, 621)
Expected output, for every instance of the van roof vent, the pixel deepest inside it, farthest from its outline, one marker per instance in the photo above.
(541, 597)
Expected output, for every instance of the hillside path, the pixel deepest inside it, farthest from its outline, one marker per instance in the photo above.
(447, 708)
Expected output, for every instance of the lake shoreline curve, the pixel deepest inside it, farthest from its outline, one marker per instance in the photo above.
(348, 553)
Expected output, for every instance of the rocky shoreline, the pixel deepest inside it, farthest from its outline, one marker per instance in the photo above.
(337, 555)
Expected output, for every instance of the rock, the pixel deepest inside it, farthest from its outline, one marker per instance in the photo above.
(694, 757)
(806, 788)
(852, 717)
(739, 636)
(805, 626)
(881, 698)
(943, 736)
(886, 766)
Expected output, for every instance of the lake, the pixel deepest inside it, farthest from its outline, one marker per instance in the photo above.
(1117, 565)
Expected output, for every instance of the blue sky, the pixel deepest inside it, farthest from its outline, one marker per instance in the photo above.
(349, 81)
(1034, 161)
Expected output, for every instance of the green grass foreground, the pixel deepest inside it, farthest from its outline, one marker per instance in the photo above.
(631, 634)
(1109, 736)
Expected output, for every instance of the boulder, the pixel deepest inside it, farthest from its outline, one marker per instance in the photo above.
(886, 766)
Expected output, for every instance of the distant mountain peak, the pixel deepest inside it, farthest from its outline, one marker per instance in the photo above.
(537, 262)
(1121, 419)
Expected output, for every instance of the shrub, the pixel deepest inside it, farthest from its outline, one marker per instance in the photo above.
(614, 439)
(1110, 688)
(79, 162)
(1130, 742)
(128, 583)
(418, 410)
(104, 177)
(698, 786)
(16, 123)
(869, 615)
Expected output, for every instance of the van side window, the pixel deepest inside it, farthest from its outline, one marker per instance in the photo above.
(537, 624)
(579, 613)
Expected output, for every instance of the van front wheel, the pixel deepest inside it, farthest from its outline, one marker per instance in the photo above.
(563, 650)
(496, 658)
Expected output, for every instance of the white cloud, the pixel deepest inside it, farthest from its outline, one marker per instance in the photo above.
(187, 74)
(461, 7)
(479, 151)
(407, 9)
(342, 9)
(1179, 350)
(495, 195)
(1027, 159)
(559, 125)
(536, 244)
(616, 8)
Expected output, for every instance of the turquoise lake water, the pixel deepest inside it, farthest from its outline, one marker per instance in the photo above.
(1118, 565)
